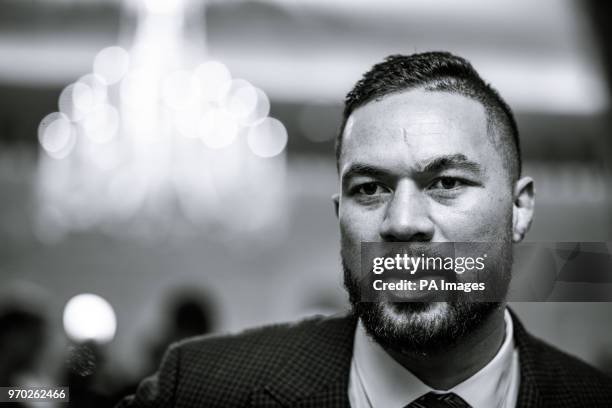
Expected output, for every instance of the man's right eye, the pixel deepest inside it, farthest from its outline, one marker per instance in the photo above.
(370, 189)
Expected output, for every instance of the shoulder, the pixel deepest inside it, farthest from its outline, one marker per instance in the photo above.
(223, 370)
(560, 376)
(251, 356)
(570, 370)
(274, 338)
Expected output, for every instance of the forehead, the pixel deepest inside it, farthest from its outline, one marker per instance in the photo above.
(415, 125)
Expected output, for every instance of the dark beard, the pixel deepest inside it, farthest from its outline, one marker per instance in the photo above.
(414, 335)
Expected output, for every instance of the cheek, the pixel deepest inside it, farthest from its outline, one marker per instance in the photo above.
(359, 225)
(484, 217)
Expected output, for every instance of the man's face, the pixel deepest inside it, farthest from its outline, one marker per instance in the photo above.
(421, 166)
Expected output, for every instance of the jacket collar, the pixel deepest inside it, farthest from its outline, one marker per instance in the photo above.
(533, 375)
(317, 373)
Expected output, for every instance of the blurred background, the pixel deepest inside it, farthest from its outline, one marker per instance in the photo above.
(166, 166)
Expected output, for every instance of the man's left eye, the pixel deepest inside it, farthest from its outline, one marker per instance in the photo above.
(447, 183)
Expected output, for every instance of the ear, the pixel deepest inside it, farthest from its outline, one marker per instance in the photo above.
(522, 208)
(336, 200)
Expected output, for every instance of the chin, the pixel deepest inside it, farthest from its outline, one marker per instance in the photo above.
(419, 327)
(415, 313)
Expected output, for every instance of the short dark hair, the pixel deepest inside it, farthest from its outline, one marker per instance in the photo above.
(437, 71)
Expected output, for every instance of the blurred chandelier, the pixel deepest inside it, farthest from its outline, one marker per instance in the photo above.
(161, 138)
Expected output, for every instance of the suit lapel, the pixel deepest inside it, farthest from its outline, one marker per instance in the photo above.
(530, 393)
(317, 374)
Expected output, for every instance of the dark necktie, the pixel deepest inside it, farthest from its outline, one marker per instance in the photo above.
(433, 400)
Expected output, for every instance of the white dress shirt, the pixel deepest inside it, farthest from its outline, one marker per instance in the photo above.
(378, 381)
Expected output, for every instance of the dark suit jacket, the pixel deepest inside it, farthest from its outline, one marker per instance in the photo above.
(307, 364)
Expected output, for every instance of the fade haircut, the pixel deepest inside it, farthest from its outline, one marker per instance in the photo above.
(442, 72)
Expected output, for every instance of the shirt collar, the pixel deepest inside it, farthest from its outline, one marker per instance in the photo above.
(388, 384)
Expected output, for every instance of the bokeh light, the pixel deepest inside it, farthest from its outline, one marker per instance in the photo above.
(262, 109)
(82, 97)
(149, 127)
(241, 99)
(98, 92)
(56, 135)
(217, 128)
(101, 124)
(138, 90)
(268, 138)
(214, 79)
(66, 102)
(180, 89)
(111, 64)
(89, 317)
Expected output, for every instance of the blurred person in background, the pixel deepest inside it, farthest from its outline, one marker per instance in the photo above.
(23, 338)
(188, 313)
(23, 335)
(428, 152)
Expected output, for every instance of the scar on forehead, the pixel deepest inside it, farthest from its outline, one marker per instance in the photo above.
(422, 128)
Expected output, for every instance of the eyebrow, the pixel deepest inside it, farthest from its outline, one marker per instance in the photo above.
(364, 170)
(452, 161)
(435, 165)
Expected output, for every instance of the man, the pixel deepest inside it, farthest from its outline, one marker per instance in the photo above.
(427, 153)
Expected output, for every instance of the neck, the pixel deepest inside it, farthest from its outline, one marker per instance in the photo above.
(444, 370)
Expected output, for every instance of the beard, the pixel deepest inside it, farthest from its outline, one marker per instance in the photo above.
(422, 327)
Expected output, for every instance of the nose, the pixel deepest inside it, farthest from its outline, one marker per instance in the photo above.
(407, 217)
